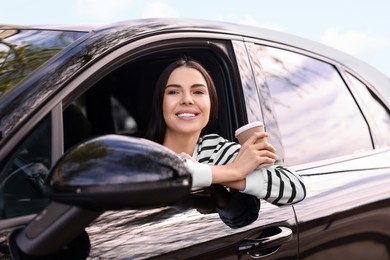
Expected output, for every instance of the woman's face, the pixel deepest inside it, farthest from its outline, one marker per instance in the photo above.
(186, 103)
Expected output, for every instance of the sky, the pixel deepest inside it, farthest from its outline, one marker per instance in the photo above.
(358, 27)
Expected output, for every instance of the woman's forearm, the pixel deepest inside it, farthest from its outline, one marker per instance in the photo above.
(276, 184)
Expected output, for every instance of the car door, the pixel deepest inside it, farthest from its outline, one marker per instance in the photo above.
(329, 131)
(111, 95)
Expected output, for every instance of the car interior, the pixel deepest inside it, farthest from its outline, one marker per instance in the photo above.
(121, 102)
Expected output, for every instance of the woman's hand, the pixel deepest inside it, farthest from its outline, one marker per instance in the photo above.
(251, 155)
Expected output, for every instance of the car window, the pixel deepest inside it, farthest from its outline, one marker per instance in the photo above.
(376, 111)
(121, 102)
(23, 173)
(317, 115)
(24, 50)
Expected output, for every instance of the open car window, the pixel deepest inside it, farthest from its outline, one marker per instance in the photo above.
(121, 102)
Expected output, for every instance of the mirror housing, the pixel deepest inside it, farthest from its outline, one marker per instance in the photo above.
(114, 172)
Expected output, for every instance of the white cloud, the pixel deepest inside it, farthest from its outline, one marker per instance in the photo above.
(249, 20)
(159, 9)
(102, 9)
(368, 46)
(354, 42)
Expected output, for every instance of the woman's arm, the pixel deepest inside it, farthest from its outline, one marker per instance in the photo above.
(243, 160)
(249, 157)
(276, 184)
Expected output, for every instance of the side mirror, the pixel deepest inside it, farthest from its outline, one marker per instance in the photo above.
(118, 172)
(106, 173)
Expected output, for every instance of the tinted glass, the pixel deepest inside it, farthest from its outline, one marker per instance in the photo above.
(317, 116)
(22, 51)
(22, 175)
(377, 112)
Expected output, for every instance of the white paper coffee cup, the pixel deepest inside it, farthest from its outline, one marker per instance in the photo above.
(244, 132)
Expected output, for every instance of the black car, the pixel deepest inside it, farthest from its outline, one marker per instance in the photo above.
(78, 179)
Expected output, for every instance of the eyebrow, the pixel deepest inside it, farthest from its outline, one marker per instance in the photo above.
(193, 86)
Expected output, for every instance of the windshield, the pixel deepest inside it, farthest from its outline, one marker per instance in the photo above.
(24, 50)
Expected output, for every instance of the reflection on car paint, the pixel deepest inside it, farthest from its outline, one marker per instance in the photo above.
(154, 232)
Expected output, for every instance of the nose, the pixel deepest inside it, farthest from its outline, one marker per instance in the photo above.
(187, 98)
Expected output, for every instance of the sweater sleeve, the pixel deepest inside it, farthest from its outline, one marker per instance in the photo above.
(201, 174)
(276, 184)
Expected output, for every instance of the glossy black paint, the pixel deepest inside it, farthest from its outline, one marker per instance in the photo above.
(355, 227)
(119, 172)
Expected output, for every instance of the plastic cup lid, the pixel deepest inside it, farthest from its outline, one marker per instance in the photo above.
(248, 126)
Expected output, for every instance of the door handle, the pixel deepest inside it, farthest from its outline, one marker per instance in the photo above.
(267, 243)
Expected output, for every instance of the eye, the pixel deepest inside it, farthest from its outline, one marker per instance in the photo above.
(200, 91)
(172, 92)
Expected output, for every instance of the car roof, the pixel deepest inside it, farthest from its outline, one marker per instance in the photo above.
(166, 24)
(372, 76)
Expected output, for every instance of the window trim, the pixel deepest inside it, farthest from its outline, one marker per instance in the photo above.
(57, 147)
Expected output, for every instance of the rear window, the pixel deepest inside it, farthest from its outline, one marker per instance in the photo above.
(22, 51)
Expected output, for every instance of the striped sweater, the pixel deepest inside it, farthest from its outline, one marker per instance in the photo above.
(275, 184)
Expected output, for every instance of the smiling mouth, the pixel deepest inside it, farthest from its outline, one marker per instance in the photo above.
(186, 115)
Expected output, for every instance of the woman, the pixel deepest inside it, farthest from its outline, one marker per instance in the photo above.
(185, 109)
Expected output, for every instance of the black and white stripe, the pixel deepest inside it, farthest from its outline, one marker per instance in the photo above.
(282, 185)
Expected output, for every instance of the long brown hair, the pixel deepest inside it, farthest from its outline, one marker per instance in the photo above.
(157, 126)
